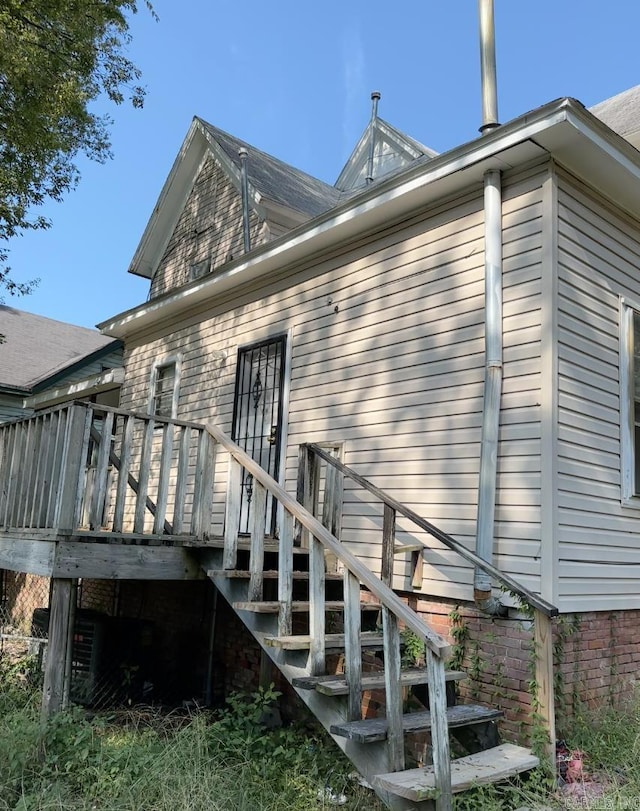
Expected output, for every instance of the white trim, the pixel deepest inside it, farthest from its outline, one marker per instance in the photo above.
(549, 552)
(94, 384)
(159, 363)
(627, 438)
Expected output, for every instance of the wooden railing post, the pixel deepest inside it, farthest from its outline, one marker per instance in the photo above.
(285, 574)
(232, 514)
(74, 451)
(439, 730)
(203, 491)
(391, 641)
(352, 644)
(256, 555)
(308, 487)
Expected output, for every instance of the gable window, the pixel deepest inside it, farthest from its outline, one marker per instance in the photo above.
(164, 389)
(199, 269)
(630, 398)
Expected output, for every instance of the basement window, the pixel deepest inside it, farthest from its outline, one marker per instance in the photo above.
(630, 399)
(164, 389)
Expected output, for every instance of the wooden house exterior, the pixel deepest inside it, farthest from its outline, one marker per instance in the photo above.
(309, 377)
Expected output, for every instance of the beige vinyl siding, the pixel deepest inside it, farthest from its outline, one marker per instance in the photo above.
(209, 229)
(599, 536)
(387, 357)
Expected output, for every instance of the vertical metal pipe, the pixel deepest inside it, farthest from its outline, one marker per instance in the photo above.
(375, 98)
(242, 152)
(492, 386)
(488, 67)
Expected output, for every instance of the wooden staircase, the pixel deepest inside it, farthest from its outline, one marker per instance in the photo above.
(365, 740)
(266, 599)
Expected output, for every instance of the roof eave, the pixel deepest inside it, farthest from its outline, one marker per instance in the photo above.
(554, 128)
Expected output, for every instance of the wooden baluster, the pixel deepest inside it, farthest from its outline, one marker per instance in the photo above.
(8, 439)
(308, 486)
(96, 512)
(316, 607)
(352, 646)
(439, 730)
(23, 453)
(285, 575)
(123, 474)
(258, 528)
(143, 478)
(72, 466)
(181, 480)
(32, 478)
(163, 479)
(232, 514)
(392, 663)
(43, 471)
(56, 456)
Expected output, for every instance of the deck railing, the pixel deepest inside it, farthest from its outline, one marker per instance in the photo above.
(90, 468)
(357, 575)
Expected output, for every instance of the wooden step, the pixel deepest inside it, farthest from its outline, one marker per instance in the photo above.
(333, 642)
(297, 606)
(271, 574)
(371, 730)
(336, 685)
(490, 766)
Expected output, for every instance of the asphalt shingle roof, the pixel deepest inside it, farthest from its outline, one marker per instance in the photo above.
(36, 347)
(276, 180)
(621, 112)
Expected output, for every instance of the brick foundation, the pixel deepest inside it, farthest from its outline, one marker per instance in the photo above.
(597, 656)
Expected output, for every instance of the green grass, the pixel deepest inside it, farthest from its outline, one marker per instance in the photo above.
(142, 760)
(145, 761)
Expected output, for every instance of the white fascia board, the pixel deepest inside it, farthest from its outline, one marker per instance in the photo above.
(548, 129)
(167, 209)
(103, 381)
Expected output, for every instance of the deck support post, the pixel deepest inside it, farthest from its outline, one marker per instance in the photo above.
(543, 641)
(57, 675)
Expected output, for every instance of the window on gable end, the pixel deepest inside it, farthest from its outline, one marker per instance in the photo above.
(630, 399)
(164, 390)
(199, 269)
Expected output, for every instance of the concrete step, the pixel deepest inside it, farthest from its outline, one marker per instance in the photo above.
(371, 730)
(491, 766)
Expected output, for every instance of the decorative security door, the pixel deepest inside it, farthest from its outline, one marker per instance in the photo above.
(257, 418)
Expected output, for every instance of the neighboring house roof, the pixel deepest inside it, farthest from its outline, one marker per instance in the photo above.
(563, 129)
(622, 114)
(36, 349)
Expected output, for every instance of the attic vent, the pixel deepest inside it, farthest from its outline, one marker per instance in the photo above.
(199, 269)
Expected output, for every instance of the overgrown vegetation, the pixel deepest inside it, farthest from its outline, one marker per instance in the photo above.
(144, 761)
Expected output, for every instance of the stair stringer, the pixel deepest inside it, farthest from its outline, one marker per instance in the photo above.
(369, 759)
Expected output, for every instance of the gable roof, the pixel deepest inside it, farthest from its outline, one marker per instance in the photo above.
(38, 348)
(563, 129)
(622, 114)
(273, 186)
(276, 180)
(393, 151)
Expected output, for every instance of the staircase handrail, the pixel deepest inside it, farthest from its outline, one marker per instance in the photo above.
(437, 644)
(537, 602)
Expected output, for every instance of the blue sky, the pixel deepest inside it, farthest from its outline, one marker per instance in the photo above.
(294, 79)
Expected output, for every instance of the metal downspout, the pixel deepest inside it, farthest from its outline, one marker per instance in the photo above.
(492, 387)
(493, 322)
(243, 153)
